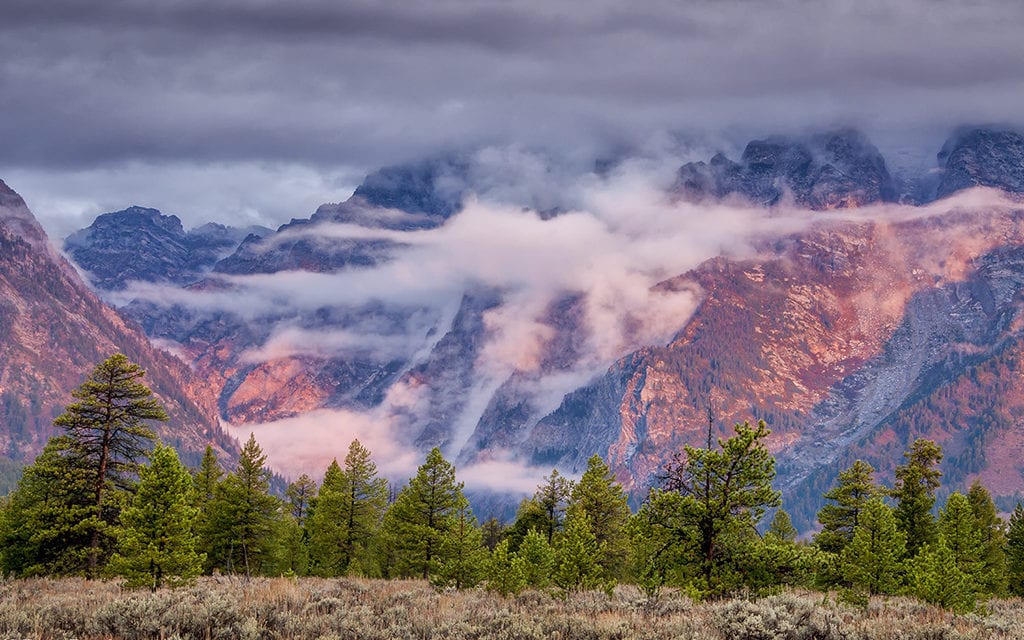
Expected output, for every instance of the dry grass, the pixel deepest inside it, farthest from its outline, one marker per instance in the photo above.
(336, 609)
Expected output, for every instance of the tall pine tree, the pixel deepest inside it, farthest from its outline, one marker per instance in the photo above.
(872, 560)
(157, 545)
(854, 487)
(917, 479)
(602, 499)
(1015, 552)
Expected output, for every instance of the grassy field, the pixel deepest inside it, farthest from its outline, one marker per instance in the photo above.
(314, 608)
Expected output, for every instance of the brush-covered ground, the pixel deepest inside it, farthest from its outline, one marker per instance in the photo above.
(349, 608)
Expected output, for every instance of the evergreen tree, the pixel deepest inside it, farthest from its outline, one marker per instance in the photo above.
(993, 540)
(462, 561)
(538, 559)
(916, 482)
(603, 501)
(662, 542)
(157, 546)
(963, 539)
(245, 516)
(781, 527)
(493, 533)
(871, 561)
(553, 498)
(348, 514)
(576, 555)
(504, 571)
(205, 489)
(46, 527)
(936, 578)
(529, 516)
(421, 516)
(1015, 552)
(854, 487)
(300, 495)
(725, 492)
(108, 423)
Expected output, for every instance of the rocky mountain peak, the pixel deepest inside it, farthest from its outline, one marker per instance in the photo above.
(834, 170)
(987, 157)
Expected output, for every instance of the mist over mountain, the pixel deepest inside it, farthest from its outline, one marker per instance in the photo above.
(523, 313)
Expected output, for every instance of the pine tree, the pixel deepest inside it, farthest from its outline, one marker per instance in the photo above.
(1015, 552)
(916, 482)
(46, 525)
(300, 495)
(245, 516)
(872, 560)
(963, 539)
(993, 540)
(109, 426)
(553, 498)
(205, 488)
(725, 492)
(854, 487)
(157, 546)
(538, 559)
(603, 501)
(493, 533)
(576, 555)
(504, 571)
(936, 578)
(462, 560)
(348, 515)
(421, 516)
(781, 527)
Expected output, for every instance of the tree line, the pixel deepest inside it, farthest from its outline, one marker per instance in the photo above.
(105, 499)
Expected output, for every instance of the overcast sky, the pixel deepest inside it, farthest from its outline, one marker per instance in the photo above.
(257, 111)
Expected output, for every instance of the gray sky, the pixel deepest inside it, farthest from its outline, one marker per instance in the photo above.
(257, 111)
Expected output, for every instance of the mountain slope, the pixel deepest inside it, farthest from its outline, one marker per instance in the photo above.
(53, 331)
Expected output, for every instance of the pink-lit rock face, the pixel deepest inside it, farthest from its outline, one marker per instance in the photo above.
(54, 330)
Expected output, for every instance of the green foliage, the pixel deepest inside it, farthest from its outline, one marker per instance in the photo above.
(872, 560)
(505, 571)
(603, 501)
(493, 533)
(854, 487)
(108, 424)
(724, 494)
(157, 546)
(47, 525)
(300, 495)
(577, 553)
(960, 534)
(347, 516)
(461, 562)
(244, 518)
(659, 553)
(917, 479)
(993, 539)
(936, 578)
(1015, 552)
(538, 559)
(781, 528)
(421, 516)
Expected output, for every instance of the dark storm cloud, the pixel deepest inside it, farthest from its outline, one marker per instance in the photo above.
(339, 86)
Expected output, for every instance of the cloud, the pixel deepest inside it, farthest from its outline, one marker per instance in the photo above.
(343, 87)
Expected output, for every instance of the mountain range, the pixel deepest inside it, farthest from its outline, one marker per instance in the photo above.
(870, 314)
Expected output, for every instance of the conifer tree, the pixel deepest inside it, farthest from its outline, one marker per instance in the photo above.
(872, 560)
(245, 516)
(993, 540)
(205, 488)
(421, 516)
(936, 578)
(603, 501)
(576, 555)
(462, 560)
(1015, 552)
(45, 528)
(725, 492)
(504, 571)
(963, 539)
(916, 482)
(538, 559)
(157, 546)
(854, 487)
(553, 498)
(108, 423)
(348, 515)
(493, 533)
(300, 495)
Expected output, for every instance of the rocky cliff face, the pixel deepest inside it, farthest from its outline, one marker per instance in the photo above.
(53, 331)
(144, 245)
(850, 337)
(831, 171)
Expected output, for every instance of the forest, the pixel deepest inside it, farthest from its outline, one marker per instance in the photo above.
(106, 502)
